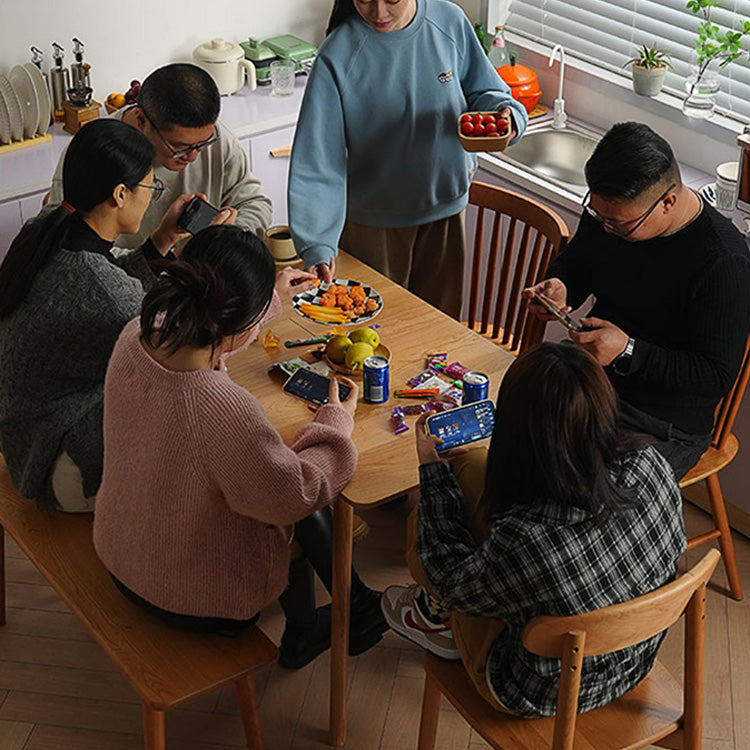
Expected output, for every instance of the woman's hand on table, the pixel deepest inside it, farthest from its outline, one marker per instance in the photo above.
(167, 234)
(427, 444)
(350, 402)
(291, 281)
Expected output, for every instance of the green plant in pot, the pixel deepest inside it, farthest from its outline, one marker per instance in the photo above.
(649, 66)
(713, 49)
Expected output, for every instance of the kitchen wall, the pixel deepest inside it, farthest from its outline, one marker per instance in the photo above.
(128, 39)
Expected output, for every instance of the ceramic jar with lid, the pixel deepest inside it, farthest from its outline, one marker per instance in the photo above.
(524, 85)
(226, 63)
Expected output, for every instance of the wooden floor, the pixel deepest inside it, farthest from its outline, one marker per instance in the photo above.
(58, 692)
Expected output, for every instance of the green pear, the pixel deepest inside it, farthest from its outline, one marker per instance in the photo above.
(337, 347)
(366, 335)
(357, 353)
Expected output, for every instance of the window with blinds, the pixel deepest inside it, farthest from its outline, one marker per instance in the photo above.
(607, 32)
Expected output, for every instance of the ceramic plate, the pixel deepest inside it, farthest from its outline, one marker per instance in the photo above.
(42, 95)
(24, 87)
(314, 296)
(709, 193)
(13, 106)
(4, 122)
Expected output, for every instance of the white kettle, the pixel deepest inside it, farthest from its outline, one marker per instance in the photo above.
(226, 63)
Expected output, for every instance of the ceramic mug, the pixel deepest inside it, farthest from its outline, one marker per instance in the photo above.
(279, 241)
(726, 182)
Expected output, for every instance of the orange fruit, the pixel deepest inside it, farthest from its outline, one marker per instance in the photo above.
(118, 100)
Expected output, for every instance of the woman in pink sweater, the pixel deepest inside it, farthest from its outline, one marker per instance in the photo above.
(200, 492)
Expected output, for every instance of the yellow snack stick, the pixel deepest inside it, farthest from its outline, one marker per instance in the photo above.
(320, 308)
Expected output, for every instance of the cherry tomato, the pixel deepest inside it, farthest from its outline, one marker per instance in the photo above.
(467, 128)
(490, 127)
(479, 129)
(493, 134)
(488, 118)
(477, 119)
(465, 118)
(502, 127)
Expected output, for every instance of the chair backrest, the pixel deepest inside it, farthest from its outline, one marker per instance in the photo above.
(531, 236)
(726, 411)
(619, 626)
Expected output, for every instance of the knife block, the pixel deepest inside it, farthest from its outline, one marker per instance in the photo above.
(77, 117)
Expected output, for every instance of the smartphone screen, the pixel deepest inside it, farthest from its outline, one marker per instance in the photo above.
(466, 424)
(563, 317)
(197, 215)
(312, 387)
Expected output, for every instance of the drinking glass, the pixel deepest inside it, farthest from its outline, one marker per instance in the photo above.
(282, 78)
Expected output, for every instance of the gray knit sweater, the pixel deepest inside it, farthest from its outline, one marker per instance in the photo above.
(54, 350)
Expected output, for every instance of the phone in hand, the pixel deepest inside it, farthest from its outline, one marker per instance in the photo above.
(312, 387)
(463, 425)
(552, 308)
(197, 215)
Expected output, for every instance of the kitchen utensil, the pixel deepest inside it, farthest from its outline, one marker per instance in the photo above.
(313, 297)
(80, 97)
(23, 85)
(524, 84)
(13, 107)
(726, 184)
(60, 82)
(42, 93)
(279, 241)
(225, 61)
(282, 78)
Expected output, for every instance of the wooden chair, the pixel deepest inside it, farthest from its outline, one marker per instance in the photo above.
(531, 235)
(723, 449)
(655, 712)
(166, 666)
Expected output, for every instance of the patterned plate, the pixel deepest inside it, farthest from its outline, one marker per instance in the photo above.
(313, 296)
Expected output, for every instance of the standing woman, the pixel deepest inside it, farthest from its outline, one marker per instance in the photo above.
(64, 299)
(376, 151)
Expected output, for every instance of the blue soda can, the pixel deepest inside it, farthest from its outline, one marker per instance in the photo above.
(375, 380)
(476, 387)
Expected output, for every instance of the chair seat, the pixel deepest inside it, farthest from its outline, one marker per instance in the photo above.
(712, 461)
(637, 719)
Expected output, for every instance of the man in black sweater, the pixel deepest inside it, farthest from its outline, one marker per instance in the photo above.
(671, 278)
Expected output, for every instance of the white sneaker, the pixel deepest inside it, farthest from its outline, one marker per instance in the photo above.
(400, 610)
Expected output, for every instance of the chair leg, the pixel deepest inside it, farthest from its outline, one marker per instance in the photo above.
(153, 728)
(249, 712)
(428, 722)
(2, 575)
(719, 513)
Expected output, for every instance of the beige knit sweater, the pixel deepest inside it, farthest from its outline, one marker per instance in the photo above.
(197, 481)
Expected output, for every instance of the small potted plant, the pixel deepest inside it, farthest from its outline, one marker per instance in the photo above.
(649, 66)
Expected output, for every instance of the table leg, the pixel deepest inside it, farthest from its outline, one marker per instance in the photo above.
(343, 516)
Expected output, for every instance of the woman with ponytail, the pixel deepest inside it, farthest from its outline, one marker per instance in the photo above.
(198, 480)
(64, 298)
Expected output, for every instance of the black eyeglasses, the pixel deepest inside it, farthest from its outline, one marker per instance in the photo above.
(182, 153)
(614, 226)
(157, 187)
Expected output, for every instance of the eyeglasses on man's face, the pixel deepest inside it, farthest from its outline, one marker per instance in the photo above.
(185, 151)
(620, 227)
(157, 188)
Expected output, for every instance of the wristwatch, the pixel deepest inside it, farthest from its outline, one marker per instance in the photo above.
(621, 363)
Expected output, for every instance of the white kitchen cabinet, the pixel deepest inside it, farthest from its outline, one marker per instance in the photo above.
(272, 171)
(10, 223)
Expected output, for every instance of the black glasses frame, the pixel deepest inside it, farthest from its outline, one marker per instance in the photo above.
(612, 226)
(157, 187)
(181, 153)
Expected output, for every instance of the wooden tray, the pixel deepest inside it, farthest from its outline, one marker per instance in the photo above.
(482, 143)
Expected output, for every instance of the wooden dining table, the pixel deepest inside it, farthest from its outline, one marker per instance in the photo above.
(387, 466)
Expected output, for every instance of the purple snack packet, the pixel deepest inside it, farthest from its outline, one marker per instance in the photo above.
(397, 420)
(456, 370)
(421, 377)
(414, 409)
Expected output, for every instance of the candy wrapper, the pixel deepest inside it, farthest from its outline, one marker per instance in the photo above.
(414, 410)
(456, 370)
(421, 377)
(397, 420)
(270, 340)
(455, 395)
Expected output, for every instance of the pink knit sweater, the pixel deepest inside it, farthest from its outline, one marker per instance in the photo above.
(197, 481)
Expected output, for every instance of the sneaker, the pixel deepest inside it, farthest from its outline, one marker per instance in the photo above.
(402, 614)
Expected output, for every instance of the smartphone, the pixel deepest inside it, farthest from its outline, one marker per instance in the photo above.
(197, 215)
(313, 387)
(551, 307)
(462, 425)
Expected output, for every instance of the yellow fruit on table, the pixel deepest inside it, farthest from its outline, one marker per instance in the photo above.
(337, 347)
(118, 101)
(367, 335)
(357, 353)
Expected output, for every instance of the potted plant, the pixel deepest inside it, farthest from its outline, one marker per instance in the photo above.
(649, 66)
(713, 50)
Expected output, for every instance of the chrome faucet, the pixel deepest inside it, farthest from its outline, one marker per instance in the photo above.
(559, 118)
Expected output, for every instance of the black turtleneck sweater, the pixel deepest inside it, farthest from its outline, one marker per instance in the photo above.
(684, 298)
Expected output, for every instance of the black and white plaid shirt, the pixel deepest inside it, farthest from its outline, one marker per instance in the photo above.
(547, 559)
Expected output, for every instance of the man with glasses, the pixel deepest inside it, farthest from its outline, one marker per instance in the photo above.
(671, 281)
(177, 110)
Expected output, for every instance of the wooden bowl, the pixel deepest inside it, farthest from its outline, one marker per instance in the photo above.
(381, 350)
(482, 142)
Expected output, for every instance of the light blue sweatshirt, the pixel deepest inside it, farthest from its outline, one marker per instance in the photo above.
(376, 140)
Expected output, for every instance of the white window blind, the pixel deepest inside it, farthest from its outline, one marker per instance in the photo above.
(607, 32)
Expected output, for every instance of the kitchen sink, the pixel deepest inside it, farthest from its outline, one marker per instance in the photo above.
(558, 155)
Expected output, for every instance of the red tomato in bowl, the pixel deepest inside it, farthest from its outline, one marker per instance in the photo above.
(490, 127)
(465, 118)
(488, 118)
(467, 127)
(477, 119)
(479, 129)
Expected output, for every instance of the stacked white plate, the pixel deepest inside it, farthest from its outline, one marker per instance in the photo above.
(25, 104)
(11, 115)
(43, 97)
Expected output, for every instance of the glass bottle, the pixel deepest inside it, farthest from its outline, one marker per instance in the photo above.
(499, 54)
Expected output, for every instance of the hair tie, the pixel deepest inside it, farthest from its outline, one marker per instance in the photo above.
(68, 207)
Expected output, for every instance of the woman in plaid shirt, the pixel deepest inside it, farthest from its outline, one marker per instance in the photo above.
(570, 519)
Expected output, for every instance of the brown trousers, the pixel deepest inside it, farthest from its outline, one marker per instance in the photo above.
(427, 259)
(474, 636)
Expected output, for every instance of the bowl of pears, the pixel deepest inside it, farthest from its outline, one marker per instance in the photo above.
(346, 352)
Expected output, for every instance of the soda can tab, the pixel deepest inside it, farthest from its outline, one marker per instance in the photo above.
(397, 420)
(456, 370)
(476, 386)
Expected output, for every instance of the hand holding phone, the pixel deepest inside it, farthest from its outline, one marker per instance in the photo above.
(314, 388)
(197, 215)
(463, 425)
(553, 309)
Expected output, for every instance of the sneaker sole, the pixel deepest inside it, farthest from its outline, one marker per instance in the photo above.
(421, 639)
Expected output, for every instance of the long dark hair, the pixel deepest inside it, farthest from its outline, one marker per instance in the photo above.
(102, 155)
(221, 285)
(555, 435)
(342, 9)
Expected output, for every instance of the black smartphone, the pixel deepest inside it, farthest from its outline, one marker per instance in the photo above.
(197, 215)
(463, 425)
(313, 387)
(551, 307)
